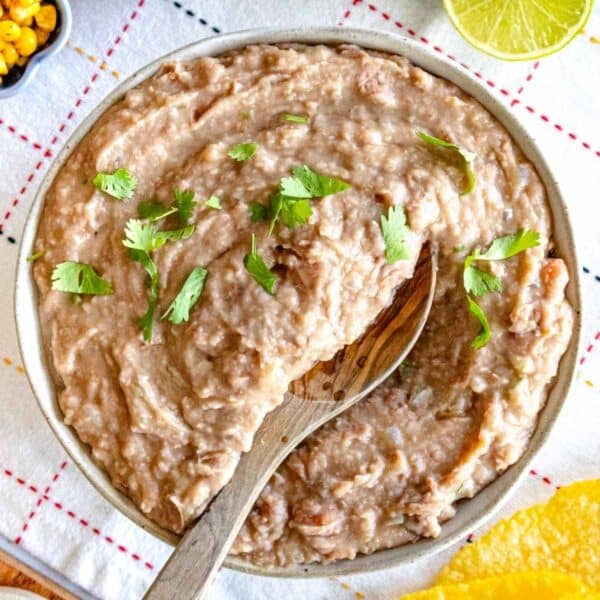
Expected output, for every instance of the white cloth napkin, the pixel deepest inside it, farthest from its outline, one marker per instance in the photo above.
(49, 514)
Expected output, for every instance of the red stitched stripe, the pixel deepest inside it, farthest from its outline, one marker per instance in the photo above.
(21, 136)
(108, 539)
(40, 500)
(544, 479)
(589, 348)
(529, 77)
(83, 522)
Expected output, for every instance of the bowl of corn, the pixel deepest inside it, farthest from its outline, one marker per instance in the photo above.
(30, 31)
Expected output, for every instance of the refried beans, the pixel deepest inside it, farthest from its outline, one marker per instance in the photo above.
(168, 419)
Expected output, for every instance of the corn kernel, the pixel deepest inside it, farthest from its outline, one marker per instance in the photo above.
(42, 36)
(23, 14)
(9, 31)
(3, 66)
(11, 3)
(46, 18)
(10, 55)
(1, 9)
(27, 43)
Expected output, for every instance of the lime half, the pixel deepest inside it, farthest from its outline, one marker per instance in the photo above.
(519, 29)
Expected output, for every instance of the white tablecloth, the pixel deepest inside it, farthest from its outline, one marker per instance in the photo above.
(49, 514)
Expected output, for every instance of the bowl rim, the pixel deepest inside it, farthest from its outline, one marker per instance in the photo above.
(34, 63)
(471, 513)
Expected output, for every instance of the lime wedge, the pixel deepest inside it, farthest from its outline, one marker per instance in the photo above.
(518, 29)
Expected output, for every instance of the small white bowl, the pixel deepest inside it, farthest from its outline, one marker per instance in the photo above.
(58, 38)
(470, 513)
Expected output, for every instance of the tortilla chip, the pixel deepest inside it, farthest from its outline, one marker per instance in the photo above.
(561, 535)
(589, 488)
(527, 585)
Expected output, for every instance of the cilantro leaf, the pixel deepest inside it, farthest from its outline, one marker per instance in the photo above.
(467, 156)
(33, 257)
(120, 184)
(174, 235)
(79, 278)
(145, 236)
(258, 211)
(509, 245)
(147, 319)
(256, 266)
(289, 118)
(295, 212)
(292, 187)
(291, 211)
(291, 202)
(214, 202)
(142, 236)
(483, 337)
(243, 151)
(396, 235)
(155, 210)
(141, 239)
(479, 283)
(316, 184)
(185, 203)
(187, 297)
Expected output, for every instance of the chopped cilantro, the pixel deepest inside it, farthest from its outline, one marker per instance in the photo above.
(256, 266)
(509, 245)
(483, 337)
(244, 151)
(120, 184)
(289, 118)
(291, 203)
(185, 203)
(174, 235)
(316, 184)
(187, 297)
(479, 283)
(294, 188)
(147, 319)
(33, 257)
(396, 235)
(467, 156)
(258, 211)
(155, 211)
(79, 278)
(142, 236)
(291, 211)
(142, 239)
(213, 202)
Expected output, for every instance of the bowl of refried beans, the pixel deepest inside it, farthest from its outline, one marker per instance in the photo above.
(245, 207)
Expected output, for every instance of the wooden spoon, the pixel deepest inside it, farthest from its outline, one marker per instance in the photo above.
(325, 391)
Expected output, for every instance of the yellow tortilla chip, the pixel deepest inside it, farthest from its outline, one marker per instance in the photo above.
(528, 585)
(589, 488)
(561, 535)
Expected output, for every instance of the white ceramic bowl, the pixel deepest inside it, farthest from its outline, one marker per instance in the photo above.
(471, 513)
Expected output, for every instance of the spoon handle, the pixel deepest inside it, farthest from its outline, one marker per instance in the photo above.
(192, 567)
